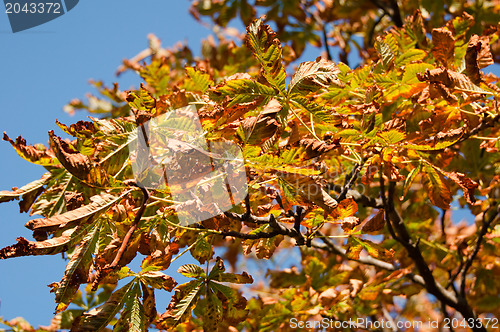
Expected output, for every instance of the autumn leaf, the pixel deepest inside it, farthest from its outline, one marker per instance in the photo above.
(158, 280)
(375, 224)
(184, 300)
(133, 316)
(437, 187)
(311, 191)
(348, 223)
(354, 248)
(311, 76)
(345, 209)
(262, 41)
(34, 186)
(99, 318)
(191, 271)
(76, 163)
(478, 56)
(99, 204)
(468, 186)
(77, 270)
(38, 154)
(444, 45)
(51, 246)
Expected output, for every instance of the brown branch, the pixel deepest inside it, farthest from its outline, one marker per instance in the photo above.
(349, 181)
(486, 122)
(277, 228)
(394, 14)
(358, 197)
(446, 297)
(325, 42)
(119, 254)
(369, 260)
(482, 233)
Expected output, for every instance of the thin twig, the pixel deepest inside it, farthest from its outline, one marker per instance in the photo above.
(482, 233)
(325, 42)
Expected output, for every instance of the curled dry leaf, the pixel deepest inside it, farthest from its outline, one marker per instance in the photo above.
(478, 56)
(349, 223)
(36, 154)
(315, 148)
(468, 185)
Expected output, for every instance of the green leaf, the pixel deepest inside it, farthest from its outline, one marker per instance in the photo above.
(410, 178)
(305, 104)
(411, 71)
(435, 146)
(142, 100)
(52, 201)
(262, 41)
(156, 74)
(199, 81)
(243, 278)
(202, 250)
(229, 293)
(132, 317)
(191, 271)
(213, 312)
(385, 53)
(97, 319)
(184, 305)
(242, 91)
(77, 270)
(392, 136)
(409, 56)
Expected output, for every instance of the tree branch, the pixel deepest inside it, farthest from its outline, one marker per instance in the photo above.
(358, 197)
(277, 228)
(119, 254)
(446, 297)
(325, 42)
(482, 233)
(349, 181)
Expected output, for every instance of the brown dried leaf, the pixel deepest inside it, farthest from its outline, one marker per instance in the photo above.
(375, 224)
(51, 246)
(99, 204)
(349, 223)
(356, 285)
(468, 186)
(36, 154)
(478, 56)
(444, 45)
(315, 148)
(312, 191)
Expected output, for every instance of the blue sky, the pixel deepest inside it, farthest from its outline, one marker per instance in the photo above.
(41, 70)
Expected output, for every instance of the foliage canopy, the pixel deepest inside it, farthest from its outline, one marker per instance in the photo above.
(355, 167)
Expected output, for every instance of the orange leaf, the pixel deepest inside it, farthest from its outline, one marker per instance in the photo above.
(345, 208)
(437, 187)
